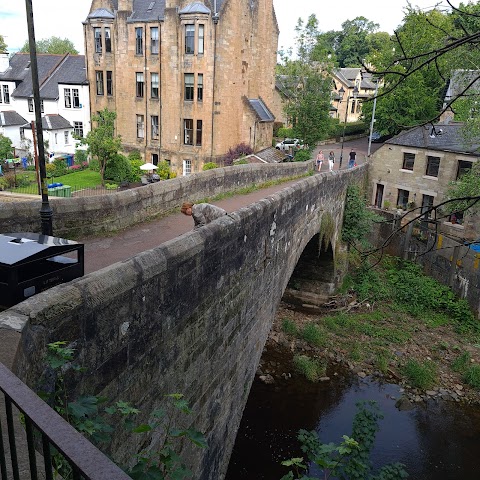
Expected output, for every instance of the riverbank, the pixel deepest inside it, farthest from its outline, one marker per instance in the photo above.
(384, 344)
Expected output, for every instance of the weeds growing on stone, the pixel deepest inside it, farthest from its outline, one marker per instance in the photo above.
(421, 375)
(289, 327)
(311, 368)
(461, 363)
(313, 334)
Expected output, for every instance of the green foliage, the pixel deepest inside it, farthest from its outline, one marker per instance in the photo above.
(461, 363)
(312, 369)
(52, 45)
(357, 218)
(302, 155)
(349, 460)
(313, 334)
(468, 185)
(164, 170)
(472, 376)
(118, 169)
(3, 45)
(60, 166)
(209, 166)
(111, 186)
(6, 148)
(421, 375)
(289, 326)
(81, 156)
(285, 132)
(135, 171)
(135, 155)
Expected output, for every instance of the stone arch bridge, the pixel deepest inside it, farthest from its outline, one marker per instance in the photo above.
(189, 316)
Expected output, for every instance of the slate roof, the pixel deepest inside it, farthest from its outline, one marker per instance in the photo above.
(147, 10)
(55, 122)
(11, 118)
(52, 70)
(195, 7)
(102, 13)
(270, 155)
(446, 138)
(460, 80)
(261, 110)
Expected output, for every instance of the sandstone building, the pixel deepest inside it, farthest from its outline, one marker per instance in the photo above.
(187, 80)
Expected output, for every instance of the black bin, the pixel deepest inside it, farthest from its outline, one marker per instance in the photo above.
(31, 263)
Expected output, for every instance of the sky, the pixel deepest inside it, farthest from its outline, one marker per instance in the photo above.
(63, 18)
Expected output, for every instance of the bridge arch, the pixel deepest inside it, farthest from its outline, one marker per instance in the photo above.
(190, 316)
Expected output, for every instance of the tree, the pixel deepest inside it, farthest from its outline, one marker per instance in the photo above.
(102, 142)
(53, 46)
(464, 194)
(3, 45)
(6, 149)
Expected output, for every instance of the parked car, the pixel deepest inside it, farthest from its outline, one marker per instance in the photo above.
(377, 137)
(289, 143)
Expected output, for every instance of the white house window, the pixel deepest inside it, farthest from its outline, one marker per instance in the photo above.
(188, 131)
(68, 97)
(433, 165)
(30, 104)
(6, 94)
(97, 33)
(190, 39)
(154, 41)
(200, 87)
(78, 129)
(99, 82)
(140, 126)
(56, 138)
(139, 84)
(154, 85)
(76, 98)
(201, 38)
(139, 41)
(189, 86)
(108, 40)
(187, 167)
(67, 137)
(154, 126)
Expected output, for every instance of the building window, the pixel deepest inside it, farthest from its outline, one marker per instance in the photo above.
(198, 138)
(30, 104)
(140, 84)
(188, 131)
(109, 83)
(189, 81)
(427, 203)
(408, 161)
(6, 94)
(433, 165)
(201, 38)
(56, 138)
(76, 98)
(154, 85)
(154, 41)
(200, 87)
(66, 136)
(97, 33)
(402, 200)
(78, 129)
(99, 82)
(187, 167)
(463, 168)
(154, 158)
(189, 39)
(68, 98)
(139, 41)
(456, 217)
(140, 126)
(108, 40)
(154, 125)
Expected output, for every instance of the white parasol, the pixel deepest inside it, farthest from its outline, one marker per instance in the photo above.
(148, 166)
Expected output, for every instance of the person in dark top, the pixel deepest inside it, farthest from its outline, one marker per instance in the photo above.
(352, 158)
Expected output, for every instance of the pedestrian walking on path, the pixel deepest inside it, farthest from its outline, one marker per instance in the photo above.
(202, 213)
(331, 160)
(319, 160)
(352, 158)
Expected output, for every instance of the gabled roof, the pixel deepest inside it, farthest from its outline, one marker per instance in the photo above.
(261, 110)
(268, 155)
(11, 118)
(52, 70)
(195, 7)
(55, 122)
(102, 13)
(444, 137)
(147, 10)
(459, 80)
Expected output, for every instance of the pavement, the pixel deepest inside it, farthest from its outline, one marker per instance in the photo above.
(103, 251)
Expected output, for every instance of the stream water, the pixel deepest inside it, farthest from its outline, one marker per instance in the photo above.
(434, 440)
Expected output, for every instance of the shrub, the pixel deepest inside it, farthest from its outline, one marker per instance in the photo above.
(210, 166)
(50, 170)
(313, 334)
(421, 375)
(75, 168)
(289, 327)
(3, 183)
(461, 363)
(80, 157)
(111, 186)
(94, 165)
(135, 172)
(164, 170)
(118, 169)
(472, 376)
(302, 156)
(134, 155)
(242, 149)
(60, 167)
(285, 132)
(312, 369)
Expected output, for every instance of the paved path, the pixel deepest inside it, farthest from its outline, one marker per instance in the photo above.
(103, 251)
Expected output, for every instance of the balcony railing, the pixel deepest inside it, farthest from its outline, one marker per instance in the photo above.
(39, 421)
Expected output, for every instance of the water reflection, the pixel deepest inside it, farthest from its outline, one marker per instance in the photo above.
(434, 440)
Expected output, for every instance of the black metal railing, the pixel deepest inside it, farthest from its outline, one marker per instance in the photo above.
(41, 426)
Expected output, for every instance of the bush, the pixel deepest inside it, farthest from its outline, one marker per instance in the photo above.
(210, 166)
(242, 149)
(313, 334)
(80, 157)
(134, 155)
(472, 376)
(285, 132)
(94, 165)
(302, 156)
(111, 186)
(421, 375)
(135, 172)
(312, 369)
(118, 169)
(164, 171)
(60, 166)
(3, 183)
(50, 170)
(289, 327)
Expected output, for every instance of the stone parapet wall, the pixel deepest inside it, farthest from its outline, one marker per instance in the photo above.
(191, 315)
(78, 217)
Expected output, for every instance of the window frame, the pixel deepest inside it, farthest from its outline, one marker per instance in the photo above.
(189, 87)
(198, 133)
(108, 40)
(67, 95)
(187, 167)
(201, 39)
(98, 40)
(403, 198)
(76, 98)
(6, 94)
(99, 84)
(138, 40)
(66, 137)
(189, 39)
(188, 131)
(433, 166)
(408, 158)
(109, 78)
(426, 205)
(78, 129)
(154, 85)
(200, 87)
(462, 170)
(154, 127)
(154, 41)
(139, 84)
(140, 126)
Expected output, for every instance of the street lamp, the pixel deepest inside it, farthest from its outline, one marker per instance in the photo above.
(341, 93)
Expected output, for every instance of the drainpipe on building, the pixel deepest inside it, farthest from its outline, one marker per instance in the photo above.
(145, 140)
(160, 99)
(215, 22)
